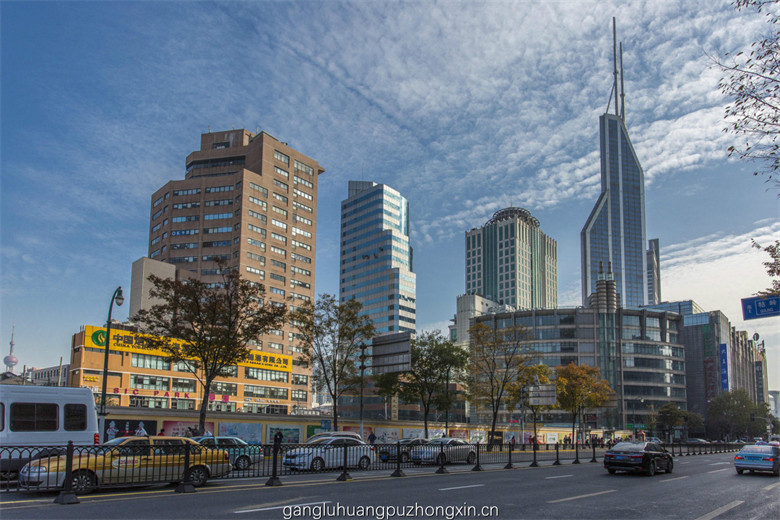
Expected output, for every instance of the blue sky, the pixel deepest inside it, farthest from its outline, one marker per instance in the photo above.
(464, 107)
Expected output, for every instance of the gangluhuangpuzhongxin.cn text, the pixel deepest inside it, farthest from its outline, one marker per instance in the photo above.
(325, 510)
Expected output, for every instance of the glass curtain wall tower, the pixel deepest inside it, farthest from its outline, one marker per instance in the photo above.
(614, 233)
(376, 258)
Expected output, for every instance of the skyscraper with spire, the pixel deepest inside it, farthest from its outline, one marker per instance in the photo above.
(10, 360)
(615, 230)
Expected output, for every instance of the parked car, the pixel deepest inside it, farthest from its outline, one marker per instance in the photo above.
(758, 458)
(655, 440)
(128, 461)
(323, 435)
(694, 440)
(328, 452)
(242, 455)
(647, 457)
(443, 451)
(388, 452)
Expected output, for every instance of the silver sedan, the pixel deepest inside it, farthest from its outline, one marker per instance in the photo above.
(444, 451)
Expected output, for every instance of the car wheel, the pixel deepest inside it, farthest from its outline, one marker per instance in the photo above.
(404, 457)
(243, 463)
(364, 463)
(670, 466)
(611, 471)
(317, 464)
(739, 471)
(84, 482)
(472, 457)
(651, 469)
(198, 476)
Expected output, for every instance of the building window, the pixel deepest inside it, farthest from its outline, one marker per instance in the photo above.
(149, 382)
(178, 193)
(279, 156)
(305, 168)
(149, 361)
(138, 401)
(262, 374)
(298, 395)
(281, 172)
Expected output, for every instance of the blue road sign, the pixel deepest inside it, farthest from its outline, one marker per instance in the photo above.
(760, 307)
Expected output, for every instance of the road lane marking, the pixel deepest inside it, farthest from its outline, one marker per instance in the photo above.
(581, 496)
(719, 470)
(671, 479)
(559, 476)
(718, 463)
(771, 486)
(323, 502)
(461, 487)
(720, 510)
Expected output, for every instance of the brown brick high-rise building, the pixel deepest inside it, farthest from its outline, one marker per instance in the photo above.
(251, 201)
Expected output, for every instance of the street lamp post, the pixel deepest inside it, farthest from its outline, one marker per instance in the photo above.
(362, 383)
(633, 414)
(119, 299)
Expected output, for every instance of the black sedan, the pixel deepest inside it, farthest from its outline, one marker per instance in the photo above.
(646, 457)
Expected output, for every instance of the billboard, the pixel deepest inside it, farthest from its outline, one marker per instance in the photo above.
(125, 341)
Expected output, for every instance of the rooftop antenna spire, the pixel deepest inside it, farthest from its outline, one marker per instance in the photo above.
(614, 61)
(622, 92)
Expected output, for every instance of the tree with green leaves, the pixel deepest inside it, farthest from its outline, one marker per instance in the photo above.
(752, 81)
(432, 358)
(694, 422)
(580, 387)
(207, 327)
(333, 337)
(528, 376)
(733, 414)
(386, 386)
(668, 417)
(496, 355)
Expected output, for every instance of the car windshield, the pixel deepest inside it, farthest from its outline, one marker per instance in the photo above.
(439, 441)
(629, 446)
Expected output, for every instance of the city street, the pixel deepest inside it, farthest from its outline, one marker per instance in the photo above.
(701, 488)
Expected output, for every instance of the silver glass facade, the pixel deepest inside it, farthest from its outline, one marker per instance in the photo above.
(511, 261)
(639, 352)
(376, 257)
(614, 233)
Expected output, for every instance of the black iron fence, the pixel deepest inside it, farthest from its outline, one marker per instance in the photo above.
(81, 469)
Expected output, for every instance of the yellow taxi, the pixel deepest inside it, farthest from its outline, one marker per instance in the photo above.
(127, 461)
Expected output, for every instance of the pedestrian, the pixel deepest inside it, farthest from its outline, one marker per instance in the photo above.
(162, 431)
(371, 438)
(512, 440)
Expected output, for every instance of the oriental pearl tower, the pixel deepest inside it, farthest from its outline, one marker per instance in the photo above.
(10, 360)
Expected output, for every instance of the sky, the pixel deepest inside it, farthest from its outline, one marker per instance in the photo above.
(464, 107)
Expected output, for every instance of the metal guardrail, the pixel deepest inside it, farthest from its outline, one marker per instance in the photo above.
(44, 468)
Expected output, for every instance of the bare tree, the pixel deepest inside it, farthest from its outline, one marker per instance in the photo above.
(333, 337)
(496, 355)
(752, 81)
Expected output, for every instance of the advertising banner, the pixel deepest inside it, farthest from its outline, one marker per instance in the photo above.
(120, 428)
(290, 434)
(252, 433)
(724, 367)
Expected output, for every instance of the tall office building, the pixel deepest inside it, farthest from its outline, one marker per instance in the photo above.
(249, 201)
(376, 257)
(615, 230)
(653, 273)
(511, 261)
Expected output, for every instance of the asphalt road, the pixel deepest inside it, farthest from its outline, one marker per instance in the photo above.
(702, 487)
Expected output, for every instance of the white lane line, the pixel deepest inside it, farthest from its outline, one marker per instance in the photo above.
(772, 486)
(671, 479)
(719, 470)
(281, 507)
(718, 463)
(461, 487)
(559, 476)
(720, 510)
(581, 496)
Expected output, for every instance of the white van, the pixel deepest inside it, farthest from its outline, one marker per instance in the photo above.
(32, 417)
